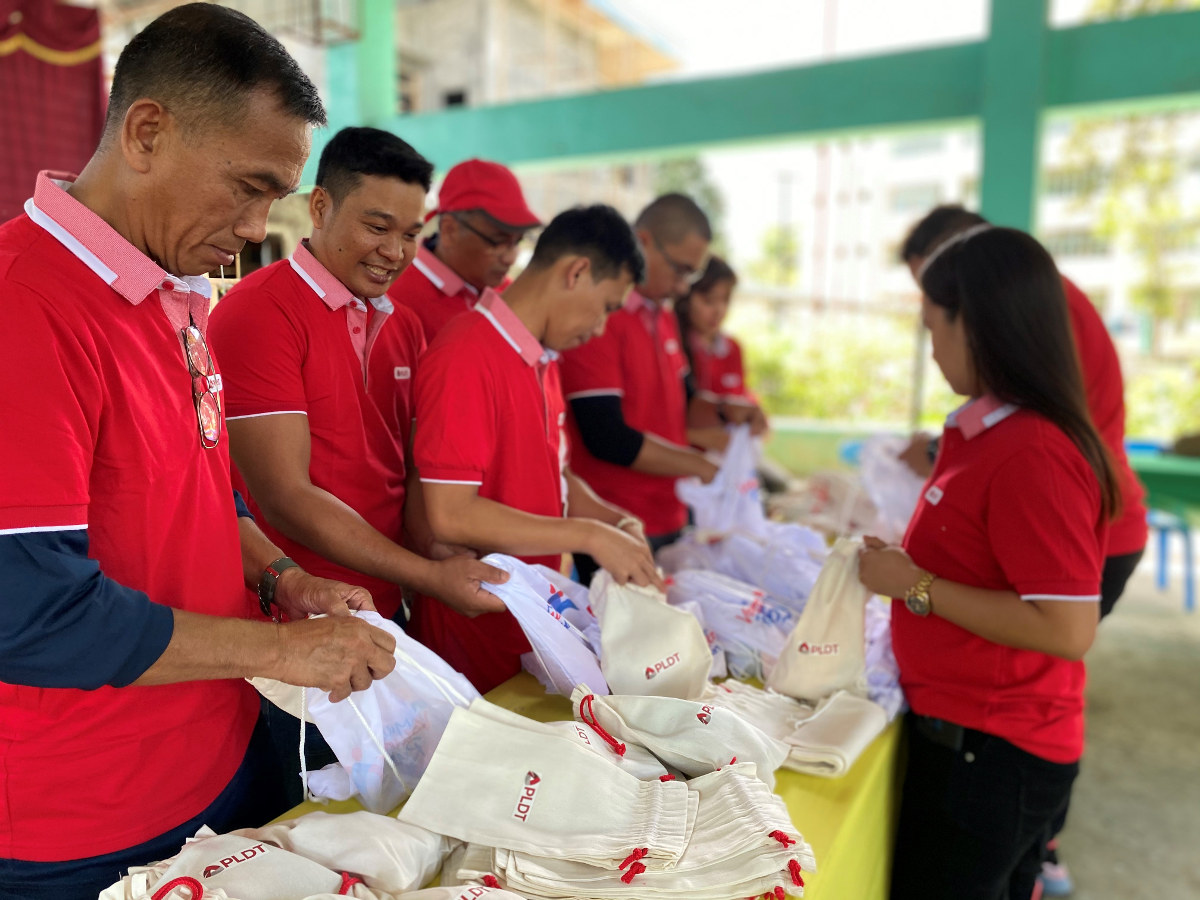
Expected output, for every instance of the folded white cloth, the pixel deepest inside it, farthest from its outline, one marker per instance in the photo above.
(830, 740)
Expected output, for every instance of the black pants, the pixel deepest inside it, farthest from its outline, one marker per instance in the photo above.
(586, 567)
(975, 815)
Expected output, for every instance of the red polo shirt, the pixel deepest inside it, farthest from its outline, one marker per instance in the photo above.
(490, 413)
(1106, 401)
(293, 339)
(1011, 505)
(434, 291)
(107, 440)
(718, 370)
(640, 360)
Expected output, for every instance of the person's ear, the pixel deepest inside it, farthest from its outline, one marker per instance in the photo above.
(144, 132)
(320, 205)
(576, 268)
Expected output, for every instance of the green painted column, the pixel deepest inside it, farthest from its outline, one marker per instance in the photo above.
(1013, 86)
(377, 61)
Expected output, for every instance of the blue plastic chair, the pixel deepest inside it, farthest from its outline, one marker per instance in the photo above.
(1163, 522)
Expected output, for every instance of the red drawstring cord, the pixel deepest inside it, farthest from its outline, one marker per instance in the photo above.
(633, 857)
(348, 881)
(782, 838)
(732, 761)
(617, 746)
(666, 777)
(491, 881)
(779, 894)
(636, 869)
(794, 868)
(196, 888)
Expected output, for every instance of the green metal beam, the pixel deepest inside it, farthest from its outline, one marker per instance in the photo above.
(1143, 61)
(377, 59)
(1014, 70)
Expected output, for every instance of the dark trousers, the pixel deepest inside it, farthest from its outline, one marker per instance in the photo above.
(975, 814)
(252, 798)
(586, 567)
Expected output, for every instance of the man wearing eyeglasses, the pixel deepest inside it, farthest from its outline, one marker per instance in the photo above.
(628, 402)
(483, 221)
(126, 627)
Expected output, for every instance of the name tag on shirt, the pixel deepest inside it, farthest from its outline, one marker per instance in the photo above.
(403, 373)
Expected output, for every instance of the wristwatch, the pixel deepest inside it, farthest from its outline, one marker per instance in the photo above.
(916, 598)
(268, 581)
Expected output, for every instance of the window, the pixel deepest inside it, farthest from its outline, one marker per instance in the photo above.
(455, 98)
(918, 145)
(915, 197)
(1072, 181)
(1076, 242)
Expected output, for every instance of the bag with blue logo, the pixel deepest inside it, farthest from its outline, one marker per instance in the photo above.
(561, 657)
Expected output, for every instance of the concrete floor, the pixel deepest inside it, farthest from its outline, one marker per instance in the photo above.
(1134, 827)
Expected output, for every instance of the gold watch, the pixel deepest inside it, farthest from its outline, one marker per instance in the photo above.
(916, 598)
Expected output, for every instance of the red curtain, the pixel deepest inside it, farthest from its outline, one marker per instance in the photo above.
(51, 93)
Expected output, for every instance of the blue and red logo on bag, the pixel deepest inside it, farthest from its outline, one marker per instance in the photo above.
(818, 649)
(220, 866)
(525, 801)
(661, 665)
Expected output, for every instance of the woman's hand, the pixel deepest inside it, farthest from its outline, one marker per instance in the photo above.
(886, 570)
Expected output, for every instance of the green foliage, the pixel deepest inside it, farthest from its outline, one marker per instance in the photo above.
(1163, 401)
(778, 266)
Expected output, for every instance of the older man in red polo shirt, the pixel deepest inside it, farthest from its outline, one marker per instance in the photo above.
(628, 422)
(126, 629)
(483, 218)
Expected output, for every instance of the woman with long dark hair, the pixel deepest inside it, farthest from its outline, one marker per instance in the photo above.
(998, 579)
(720, 395)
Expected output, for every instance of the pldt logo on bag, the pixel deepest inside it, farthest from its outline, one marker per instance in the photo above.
(661, 665)
(218, 867)
(472, 892)
(559, 602)
(818, 649)
(705, 715)
(525, 803)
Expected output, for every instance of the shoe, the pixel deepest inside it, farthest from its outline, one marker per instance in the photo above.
(1055, 880)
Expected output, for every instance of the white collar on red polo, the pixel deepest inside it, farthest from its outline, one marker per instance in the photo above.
(979, 414)
(122, 266)
(492, 307)
(326, 285)
(440, 275)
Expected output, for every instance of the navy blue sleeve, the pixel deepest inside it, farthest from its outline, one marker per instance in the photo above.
(239, 504)
(64, 624)
(604, 430)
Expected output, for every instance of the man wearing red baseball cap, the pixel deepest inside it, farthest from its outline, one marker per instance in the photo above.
(483, 219)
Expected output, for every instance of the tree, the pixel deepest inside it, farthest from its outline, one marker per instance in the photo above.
(778, 265)
(1137, 196)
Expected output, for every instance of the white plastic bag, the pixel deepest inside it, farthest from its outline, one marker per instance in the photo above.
(561, 651)
(731, 501)
(647, 646)
(573, 604)
(825, 652)
(385, 735)
(893, 487)
(747, 623)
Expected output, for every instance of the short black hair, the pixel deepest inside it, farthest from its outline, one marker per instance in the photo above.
(201, 61)
(598, 232)
(939, 223)
(355, 152)
(672, 217)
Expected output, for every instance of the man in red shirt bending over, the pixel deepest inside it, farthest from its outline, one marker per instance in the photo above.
(628, 421)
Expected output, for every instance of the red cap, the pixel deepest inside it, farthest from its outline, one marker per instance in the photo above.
(479, 184)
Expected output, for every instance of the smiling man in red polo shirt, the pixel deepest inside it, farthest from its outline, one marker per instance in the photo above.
(483, 220)
(125, 630)
(489, 440)
(628, 422)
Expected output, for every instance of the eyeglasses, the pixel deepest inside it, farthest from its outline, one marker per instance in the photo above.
(689, 274)
(508, 242)
(206, 386)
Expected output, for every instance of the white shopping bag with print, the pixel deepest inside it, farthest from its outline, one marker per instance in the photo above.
(893, 487)
(825, 651)
(385, 735)
(647, 646)
(573, 604)
(562, 654)
(731, 501)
